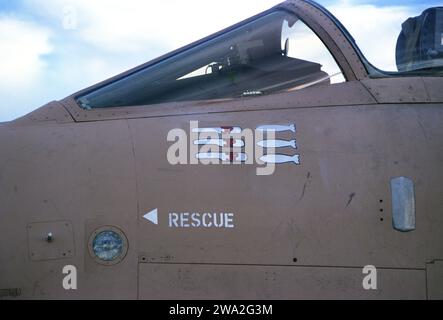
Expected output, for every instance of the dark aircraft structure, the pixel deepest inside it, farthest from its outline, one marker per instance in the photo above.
(154, 184)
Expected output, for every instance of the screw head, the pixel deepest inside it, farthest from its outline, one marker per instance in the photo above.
(50, 237)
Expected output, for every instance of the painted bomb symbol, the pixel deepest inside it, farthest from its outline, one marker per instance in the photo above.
(278, 143)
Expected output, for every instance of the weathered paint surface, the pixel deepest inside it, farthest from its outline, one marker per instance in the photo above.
(306, 231)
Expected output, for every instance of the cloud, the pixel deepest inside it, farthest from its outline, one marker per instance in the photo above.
(23, 49)
(23, 46)
(133, 25)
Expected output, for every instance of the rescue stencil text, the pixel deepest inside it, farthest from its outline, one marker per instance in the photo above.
(205, 220)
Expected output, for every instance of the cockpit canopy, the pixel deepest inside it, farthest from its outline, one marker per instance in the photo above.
(273, 53)
(420, 44)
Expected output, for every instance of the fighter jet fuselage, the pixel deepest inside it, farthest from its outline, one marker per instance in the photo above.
(267, 161)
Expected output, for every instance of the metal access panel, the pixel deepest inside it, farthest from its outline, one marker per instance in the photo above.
(434, 276)
(226, 282)
(61, 246)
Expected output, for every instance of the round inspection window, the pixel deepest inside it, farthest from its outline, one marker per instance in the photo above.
(108, 245)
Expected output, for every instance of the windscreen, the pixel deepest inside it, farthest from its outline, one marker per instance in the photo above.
(273, 53)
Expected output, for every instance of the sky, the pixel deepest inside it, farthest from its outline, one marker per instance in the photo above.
(50, 49)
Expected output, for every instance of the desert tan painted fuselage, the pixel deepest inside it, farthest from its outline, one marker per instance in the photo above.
(306, 231)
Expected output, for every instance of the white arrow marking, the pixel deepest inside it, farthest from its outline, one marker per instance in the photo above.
(152, 216)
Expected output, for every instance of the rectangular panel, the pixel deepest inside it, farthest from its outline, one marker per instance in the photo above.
(51, 240)
(398, 90)
(189, 282)
(72, 173)
(433, 87)
(434, 278)
(403, 204)
(333, 209)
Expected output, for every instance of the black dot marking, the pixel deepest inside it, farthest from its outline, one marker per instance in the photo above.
(295, 260)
